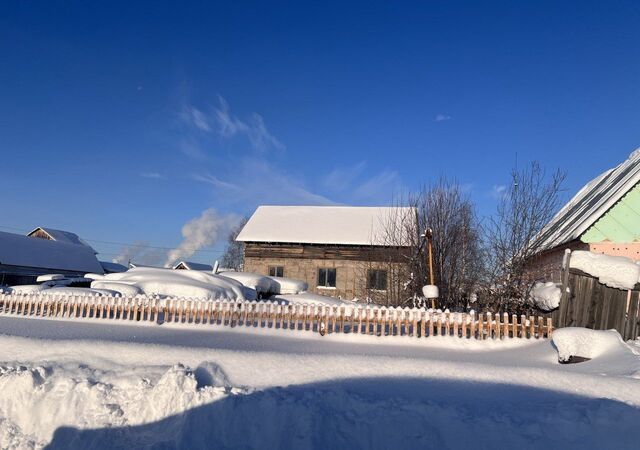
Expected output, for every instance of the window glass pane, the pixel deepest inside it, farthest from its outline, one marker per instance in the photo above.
(331, 277)
(280, 271)
(382, 280)
(371, 279)
(272, 271)
(322, 277)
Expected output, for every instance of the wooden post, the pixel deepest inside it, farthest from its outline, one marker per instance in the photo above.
(532, 327)
(505, 325)
(423, 322)
(464, 326)
(523, 326)
(549, 327)
(514, 326)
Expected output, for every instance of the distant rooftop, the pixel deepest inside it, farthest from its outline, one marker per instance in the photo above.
(339, 225)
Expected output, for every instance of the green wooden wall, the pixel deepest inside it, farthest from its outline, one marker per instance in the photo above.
(620, 224)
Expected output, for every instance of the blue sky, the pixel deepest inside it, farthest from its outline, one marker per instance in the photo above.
(123, 122)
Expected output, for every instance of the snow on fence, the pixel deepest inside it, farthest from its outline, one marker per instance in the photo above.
(358, 319)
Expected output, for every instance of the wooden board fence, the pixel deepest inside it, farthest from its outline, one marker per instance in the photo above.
(325, 319)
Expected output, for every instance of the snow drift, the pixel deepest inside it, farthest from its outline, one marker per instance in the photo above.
(546, 296)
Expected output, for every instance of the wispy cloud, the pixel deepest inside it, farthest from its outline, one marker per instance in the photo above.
(342, 178)
(221, 122)
(442, 117)
(197, 118)
(498, 191)
(153, 175)
(254, 128)
(378, 187)
(257, 181)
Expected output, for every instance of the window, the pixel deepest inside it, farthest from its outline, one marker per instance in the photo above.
(276, 271)
(377, 279)
(326, 277)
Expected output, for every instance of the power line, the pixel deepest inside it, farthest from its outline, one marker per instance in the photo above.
(134, 244)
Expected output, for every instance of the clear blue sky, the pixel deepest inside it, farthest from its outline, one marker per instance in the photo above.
(121, 122)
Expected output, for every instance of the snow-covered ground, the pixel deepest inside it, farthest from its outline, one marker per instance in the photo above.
(96, 385)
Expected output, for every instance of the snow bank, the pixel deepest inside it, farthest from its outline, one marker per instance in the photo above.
(262, 284)
(27, 288)
(123, 289)
(309, 299)
(289, 285)
(614, 271)
(178, 283)
(573, 341)
(546, 296)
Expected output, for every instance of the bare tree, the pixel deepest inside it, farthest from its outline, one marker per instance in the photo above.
(447, 210)
(233, 256)
(525, 207)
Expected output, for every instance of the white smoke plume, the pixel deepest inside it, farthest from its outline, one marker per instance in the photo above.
(201, 232)
(140, 252)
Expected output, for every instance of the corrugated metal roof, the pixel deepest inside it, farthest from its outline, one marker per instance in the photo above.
(591, 203)
(19, 250)
(339, 225)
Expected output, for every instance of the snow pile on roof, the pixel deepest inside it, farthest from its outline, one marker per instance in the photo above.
(614, 271)
(573, 341)
(307, 298)
(340, 225)
(24, 251)
(178, 283)
(289, 285)
(590, 203)
(546, 296)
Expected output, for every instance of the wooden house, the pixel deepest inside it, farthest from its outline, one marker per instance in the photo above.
(603, 217)
(340, 251)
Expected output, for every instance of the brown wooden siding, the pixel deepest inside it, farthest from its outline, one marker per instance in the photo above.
(335, 252)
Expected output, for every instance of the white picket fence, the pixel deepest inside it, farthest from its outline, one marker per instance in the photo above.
(359, 319)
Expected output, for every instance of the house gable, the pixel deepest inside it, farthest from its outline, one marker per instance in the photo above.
(620, 224)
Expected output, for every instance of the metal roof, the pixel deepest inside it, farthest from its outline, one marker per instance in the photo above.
(591, 203)
(24, 251)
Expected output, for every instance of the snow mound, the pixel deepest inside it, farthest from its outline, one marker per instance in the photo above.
(178, 283)
(262, 284)
(614, 271)
(289, 285)
(574, 341)
(124, 289)
(546, 296)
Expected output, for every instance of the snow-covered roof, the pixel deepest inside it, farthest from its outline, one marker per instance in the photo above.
(24, 251)
(60, 235)
(190, 265)
(340, 225)
(590, 203)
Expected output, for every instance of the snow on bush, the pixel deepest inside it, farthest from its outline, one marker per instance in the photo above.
(546, 296)
(614, 271)
(574, 341)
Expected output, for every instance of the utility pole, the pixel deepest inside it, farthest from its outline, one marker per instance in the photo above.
(429, 235)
